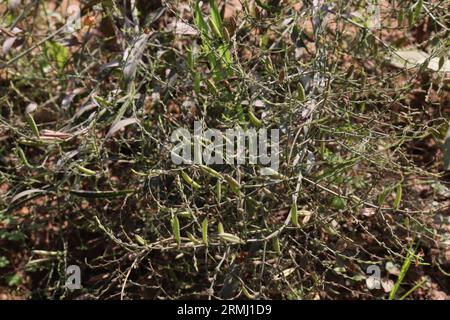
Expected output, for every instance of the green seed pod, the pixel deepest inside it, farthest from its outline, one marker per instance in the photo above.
(205, 231)
(219, 191)
(294, 214)
(220, 228)
(301, 96)
(176, 229)
(247, 293)
(253, 119)
(140, 240)
(276, 245)
(189, 180)
(192, 238)
(398, 196)
(210, 171)
(86, 171)
(228, 237)
(234, 185)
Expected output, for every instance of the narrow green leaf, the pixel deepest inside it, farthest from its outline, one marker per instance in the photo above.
(398, 196)
(212, 87)
(198, 19)
(253, 119)
(417, 286)
(247, 293)
(205, 231)
(197, 81)
(276, 245)
(417, 10)
(86, 171)
(176, 229)
(23, 157)
(301, 96)
(33, 125)
(403, 271)
(220, 228)
(225, 55)
(294, 214)
(216, 20)
(219, 190)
